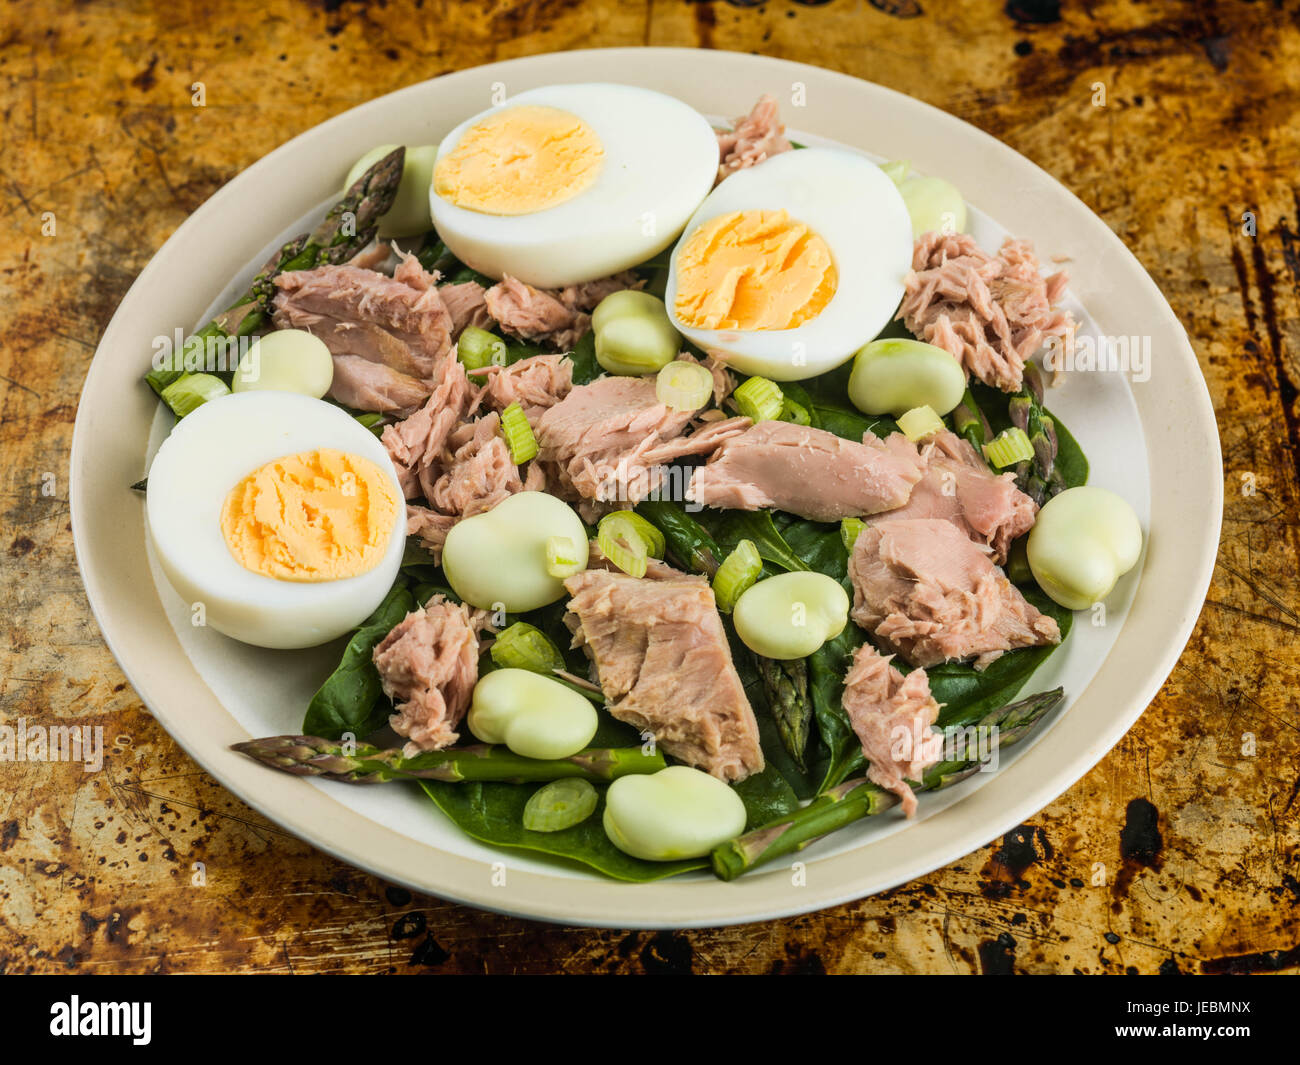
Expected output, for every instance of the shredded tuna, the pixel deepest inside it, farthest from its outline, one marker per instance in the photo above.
(607, 441)
(429, 527)
(990, 312)
(428, 666)
(959, 486)
(556, 317)
(467, 305)
(808, 472)
(753, 138)
(925, 589)
(372, 386)
(662, 659)
(724, 383)
(416, 444)
(892, 715)
(537, 384)
(398, 321)
(480, 473)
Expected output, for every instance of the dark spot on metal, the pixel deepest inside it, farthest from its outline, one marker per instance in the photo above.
(998, 956)
(1019, 918)
(668, 953)
(899, 8)
(1024, 48)
(145, 80)
(1193, 891)
(392, 53)
(1216, 50)
(1005, 870)
(8, 834)
(409, 925)
(1039, 12)
(626, 945)
(878, 954)
(1140, 840)
(1111, 938)
(1269, 961)
(397, 896)
(429, 953)
(1169, 967)
(751, 3)
(21, 546)
(706, 21)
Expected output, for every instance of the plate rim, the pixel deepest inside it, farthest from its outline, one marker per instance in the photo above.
(595, 901)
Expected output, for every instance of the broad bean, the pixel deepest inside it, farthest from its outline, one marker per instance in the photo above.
(895, 375)
(535, 716)
(1084, 540)
(676, 813)
(791, 615)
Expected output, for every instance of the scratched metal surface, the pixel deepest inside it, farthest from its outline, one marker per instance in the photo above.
(1198, 839)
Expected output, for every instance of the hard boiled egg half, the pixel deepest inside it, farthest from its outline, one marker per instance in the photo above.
(790, 266)
(570, 183)
(277, 517)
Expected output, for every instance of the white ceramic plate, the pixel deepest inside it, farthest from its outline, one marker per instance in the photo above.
(1153, 442)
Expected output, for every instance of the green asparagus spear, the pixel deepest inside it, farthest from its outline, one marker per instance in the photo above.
(312, 756)
(1038, 477)
(859, 798)
(968, 422)
(786, 684)
(348, 227)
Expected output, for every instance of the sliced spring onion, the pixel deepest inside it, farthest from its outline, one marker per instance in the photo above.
(524, 646)
(562, 556)
(683, 385)
(655, 544)
(477, 348)
(760, 399)
(739, 570)
(1009, 447)
(190, 391)
(795, 412)
(559, 805)
(622, 543)
(850, 530)
(518, 434)
(373, 422)
(919, 422)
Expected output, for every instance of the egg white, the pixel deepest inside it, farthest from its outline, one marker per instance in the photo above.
(661, 157)
(852, 205)
(209, 452)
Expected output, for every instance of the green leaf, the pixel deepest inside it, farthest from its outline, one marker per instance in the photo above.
(351, 699)
(494, 813)
(585, 367)
(689, 544)
(729, 527)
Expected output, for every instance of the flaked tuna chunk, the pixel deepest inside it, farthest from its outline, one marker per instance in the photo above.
(537, 384)
(924, 588)
(558, 317)
(892, 715)
(466, 304)
(608, 441)
(429, 527)
(959, 486)
(753, 138)
(428, 666)
(808, 472)
(663, 663)
(374, 387)
(480, 472)
(416, 443)
(534, 314)
(990, 312)
(398, 321)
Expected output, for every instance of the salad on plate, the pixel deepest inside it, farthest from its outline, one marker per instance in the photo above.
(677, 496)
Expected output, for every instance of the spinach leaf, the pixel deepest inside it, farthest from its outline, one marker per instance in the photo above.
(493, 813)
(1070, 459)
(689, 544)
(827, 667)
(351, 699)
(585, 367)
(418, 565)
(729, 527)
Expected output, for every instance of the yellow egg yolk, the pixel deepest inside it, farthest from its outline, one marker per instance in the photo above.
(753, 270)
(317, 516)
(520, 160)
